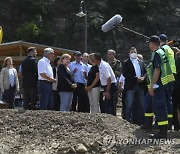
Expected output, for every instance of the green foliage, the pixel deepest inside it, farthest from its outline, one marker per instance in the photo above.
(95, 20)
(28, 30)
(54, 22)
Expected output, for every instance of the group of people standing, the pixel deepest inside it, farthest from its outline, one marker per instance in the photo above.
(152, 91)
(89, 84)
(162, 74)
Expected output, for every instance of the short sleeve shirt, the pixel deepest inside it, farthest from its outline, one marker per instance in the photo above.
(78, 75)
(105, 71)
(44, 66)
(92, 75)
(157, 64)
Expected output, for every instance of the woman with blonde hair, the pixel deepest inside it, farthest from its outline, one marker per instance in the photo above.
(93, 86)
(9, 82)
(66, 84)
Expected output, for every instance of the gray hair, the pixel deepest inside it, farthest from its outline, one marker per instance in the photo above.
(48, 51)
(85, 54)
(112, 51)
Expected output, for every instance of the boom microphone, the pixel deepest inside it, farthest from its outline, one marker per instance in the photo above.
(111, 23)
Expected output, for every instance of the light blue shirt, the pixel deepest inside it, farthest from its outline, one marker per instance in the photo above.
(79, 75)
(20, 69)
(88, 67)
(11, 77)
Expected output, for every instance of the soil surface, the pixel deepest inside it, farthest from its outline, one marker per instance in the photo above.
(49, 132)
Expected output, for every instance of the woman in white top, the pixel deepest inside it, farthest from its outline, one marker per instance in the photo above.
(9, 82)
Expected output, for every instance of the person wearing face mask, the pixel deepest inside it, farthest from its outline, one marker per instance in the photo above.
(134, 72)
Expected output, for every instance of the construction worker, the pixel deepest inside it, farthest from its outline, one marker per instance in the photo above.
(159, 74)
(169, 87)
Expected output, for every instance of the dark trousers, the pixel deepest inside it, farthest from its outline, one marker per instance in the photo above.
(30, 98)
(56, 101)
(156, 104)
(159, 106)
(123, 104)
(80, 99)
(176, 107)
(46, 95)
(9, 96)
(148, 107)
(116, 96)
(101, 102)
(169, 91)
(109, 104)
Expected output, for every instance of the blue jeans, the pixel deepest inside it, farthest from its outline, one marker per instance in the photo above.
(46, 95)
(109, 104)
(66, 101)
(135, 96)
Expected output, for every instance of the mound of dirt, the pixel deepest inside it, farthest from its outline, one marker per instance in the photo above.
(47, 132)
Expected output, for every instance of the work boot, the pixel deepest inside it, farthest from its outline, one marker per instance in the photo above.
(155, 126)
(148, 125)
(170, 123)
(162, 134)
(176, 129)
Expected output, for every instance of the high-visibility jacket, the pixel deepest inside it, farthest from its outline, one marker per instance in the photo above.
(166, 72)
(170, 55)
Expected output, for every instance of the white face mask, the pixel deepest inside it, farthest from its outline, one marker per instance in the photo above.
(133, 55)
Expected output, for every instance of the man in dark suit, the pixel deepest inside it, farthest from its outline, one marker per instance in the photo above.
(134, 72)
(30, 78)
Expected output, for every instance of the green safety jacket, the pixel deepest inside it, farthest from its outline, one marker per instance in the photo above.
(170, 55)
(166, 72)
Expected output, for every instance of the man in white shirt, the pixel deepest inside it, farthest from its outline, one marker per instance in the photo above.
(108, 81)
(45, 77)
(134, 72)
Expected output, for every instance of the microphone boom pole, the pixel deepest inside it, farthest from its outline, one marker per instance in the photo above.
(130, 30)
(115, 21)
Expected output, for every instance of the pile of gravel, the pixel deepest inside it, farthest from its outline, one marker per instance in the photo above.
(47, 132)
